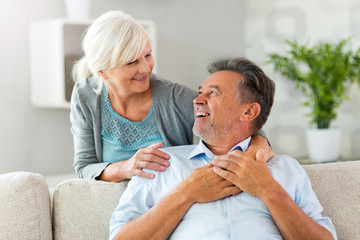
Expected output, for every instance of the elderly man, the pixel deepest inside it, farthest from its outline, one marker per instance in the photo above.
(212, 190)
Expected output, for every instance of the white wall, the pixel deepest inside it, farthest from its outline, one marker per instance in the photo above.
(190, 34)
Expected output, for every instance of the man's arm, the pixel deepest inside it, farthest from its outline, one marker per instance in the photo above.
(203, 185)
(255, 178)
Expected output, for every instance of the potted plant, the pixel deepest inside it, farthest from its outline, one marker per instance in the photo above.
(324, 73)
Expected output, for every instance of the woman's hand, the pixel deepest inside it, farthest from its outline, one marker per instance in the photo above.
(259, 142)
(150, 158)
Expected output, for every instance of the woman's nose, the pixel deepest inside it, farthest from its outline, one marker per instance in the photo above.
(144, 67)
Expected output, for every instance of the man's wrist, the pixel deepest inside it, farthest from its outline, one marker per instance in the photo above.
(183, 190)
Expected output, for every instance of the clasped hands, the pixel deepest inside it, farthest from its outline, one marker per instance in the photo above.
(229, 175)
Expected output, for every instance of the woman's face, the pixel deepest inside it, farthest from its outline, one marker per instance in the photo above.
(133, 77)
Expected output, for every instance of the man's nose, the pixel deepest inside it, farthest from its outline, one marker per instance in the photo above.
(200, 99)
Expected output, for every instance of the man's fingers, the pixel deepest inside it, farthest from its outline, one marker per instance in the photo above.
(232, 190)
(225, 164)
(225, 174)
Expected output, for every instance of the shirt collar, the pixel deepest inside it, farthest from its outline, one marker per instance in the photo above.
(201, 149)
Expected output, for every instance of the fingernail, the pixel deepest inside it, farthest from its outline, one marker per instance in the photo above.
(162, 168)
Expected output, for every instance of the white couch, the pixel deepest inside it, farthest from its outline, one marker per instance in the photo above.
(82, 208)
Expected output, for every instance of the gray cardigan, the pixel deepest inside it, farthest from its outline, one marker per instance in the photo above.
(173, 110)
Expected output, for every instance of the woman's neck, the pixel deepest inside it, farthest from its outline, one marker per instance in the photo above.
(134, 106)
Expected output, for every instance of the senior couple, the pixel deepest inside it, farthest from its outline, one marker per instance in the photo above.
(222, 188)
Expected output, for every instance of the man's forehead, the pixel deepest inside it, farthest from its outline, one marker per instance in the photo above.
(221, 79)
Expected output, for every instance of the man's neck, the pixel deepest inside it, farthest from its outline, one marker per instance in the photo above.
(220, 148)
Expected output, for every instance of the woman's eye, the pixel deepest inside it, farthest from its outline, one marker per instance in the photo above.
(131, 63)
(148, 55)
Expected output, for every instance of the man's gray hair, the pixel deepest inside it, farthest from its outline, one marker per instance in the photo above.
(254, 86)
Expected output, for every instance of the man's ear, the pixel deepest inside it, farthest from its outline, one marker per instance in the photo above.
(102, 74)
(250, 112)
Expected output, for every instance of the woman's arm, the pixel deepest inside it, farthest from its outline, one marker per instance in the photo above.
(150, 158)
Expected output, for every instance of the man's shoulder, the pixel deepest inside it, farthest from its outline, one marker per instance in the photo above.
(285, 160)
(181, 152)
(186, 148)
(286, 165)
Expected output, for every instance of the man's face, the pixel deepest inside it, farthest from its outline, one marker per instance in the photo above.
(216, 110)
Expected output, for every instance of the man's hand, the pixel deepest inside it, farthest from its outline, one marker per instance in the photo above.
(248, 174)
(203, 185)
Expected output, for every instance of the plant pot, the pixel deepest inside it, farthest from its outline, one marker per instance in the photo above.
(323, 144)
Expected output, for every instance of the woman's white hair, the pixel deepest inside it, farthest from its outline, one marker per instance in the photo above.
(112, 40)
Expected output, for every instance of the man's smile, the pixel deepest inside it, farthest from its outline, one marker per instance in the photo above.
(201, 114)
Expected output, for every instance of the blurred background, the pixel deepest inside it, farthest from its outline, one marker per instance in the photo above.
(189, 34)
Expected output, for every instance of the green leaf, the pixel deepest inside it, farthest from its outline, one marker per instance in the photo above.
(324, 73)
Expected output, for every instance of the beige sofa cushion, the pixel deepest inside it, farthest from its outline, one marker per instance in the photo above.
(25, 206)
(337, 185)
(82, 208)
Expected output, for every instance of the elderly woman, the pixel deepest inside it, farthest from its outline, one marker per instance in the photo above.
(121, 113)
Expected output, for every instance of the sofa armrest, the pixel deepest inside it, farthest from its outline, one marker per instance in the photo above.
(25, 206)
(337, 186)
(82, 208)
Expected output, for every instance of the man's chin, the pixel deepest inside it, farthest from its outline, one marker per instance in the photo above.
(202, 133)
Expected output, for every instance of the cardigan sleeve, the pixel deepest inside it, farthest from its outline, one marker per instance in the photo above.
(87, 162)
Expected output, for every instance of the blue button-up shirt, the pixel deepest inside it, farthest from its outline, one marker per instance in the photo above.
(236, 217)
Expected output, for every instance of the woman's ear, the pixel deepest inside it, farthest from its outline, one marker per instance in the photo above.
(250, 112)
(102, 74)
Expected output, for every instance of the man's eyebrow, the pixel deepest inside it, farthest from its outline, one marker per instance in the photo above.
(213, 87)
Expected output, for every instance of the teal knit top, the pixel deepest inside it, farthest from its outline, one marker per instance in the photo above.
(122, 138)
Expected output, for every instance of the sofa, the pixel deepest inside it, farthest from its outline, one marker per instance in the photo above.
(81, 209)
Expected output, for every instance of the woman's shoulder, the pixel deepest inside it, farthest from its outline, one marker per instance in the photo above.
(161, 86)
(84, 93)
(87, 85)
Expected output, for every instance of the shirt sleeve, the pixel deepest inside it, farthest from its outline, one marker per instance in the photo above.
(306, 199)
(136, 200)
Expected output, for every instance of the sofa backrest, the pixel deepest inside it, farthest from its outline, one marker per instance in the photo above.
(83, 208)
(24, 206)
(337, 186)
